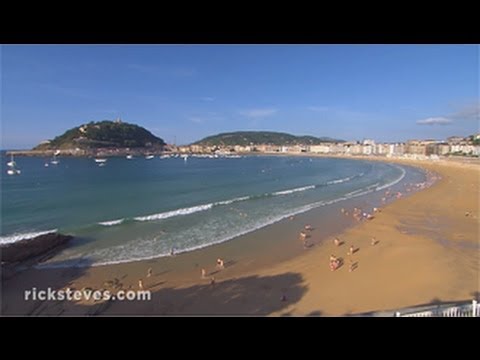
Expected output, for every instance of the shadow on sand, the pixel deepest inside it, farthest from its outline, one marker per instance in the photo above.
(16, 301)
(250, 295)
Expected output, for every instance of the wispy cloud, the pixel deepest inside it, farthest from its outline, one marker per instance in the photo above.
(161, 70)
(259, 112)
(196, 119)
(318, 108)
(434, 121)
(207, 98)
(469, 111)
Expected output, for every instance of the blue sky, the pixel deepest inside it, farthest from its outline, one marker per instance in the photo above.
(187, 92)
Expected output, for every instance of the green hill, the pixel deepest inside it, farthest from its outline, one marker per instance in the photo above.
(103, 134)
(244, 138)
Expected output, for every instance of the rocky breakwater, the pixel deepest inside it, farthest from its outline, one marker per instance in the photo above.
(36, 248)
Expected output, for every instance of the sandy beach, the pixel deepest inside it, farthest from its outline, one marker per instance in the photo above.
(427, 251)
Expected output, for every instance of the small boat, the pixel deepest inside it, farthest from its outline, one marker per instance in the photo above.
(129, 157)
(100, 160)
(13, 172)
(12, 162)
(148, 157)
(55, 161)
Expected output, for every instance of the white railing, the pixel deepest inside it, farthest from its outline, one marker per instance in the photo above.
(467, 310)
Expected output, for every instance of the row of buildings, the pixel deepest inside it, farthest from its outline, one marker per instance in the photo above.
(469, 146)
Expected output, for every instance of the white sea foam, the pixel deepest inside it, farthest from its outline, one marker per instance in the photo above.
(394, 181)
(338, 181)
(194, 209)
(111, 223)
(226, 202)
(168, 214)
(351, 194)
(290, 191)
(23, 236)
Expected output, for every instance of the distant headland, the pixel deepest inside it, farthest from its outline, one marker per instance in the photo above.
(101, 138)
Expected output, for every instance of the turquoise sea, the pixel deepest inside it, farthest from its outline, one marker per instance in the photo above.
(137, 209)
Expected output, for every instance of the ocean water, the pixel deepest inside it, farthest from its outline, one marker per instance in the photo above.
(138, 209)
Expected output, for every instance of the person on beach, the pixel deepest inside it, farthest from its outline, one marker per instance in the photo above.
(351, 267)
(172, 251)
(149, 272)
(212, 281)
(140, 284)
(204, 273)
(303, 235)
(334, 264)
(333, 258)
(374, 241)
(220, 263)
(336, 241)
(308, 227)
(351, 250)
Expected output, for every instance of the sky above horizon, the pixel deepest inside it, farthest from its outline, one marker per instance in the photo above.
(183, 93)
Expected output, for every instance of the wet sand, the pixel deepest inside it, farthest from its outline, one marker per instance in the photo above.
(427, 251)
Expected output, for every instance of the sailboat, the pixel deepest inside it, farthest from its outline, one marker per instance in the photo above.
(55, 161)
(11, 163)
(12, 170)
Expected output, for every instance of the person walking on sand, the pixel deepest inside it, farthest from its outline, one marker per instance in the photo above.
(374, 241)
(303, 235)
(351, 267)
(204, 273)
(220, 263)
(140, 284)
(149, 272)
(305, 243)
(336, 242)
(350, 251)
